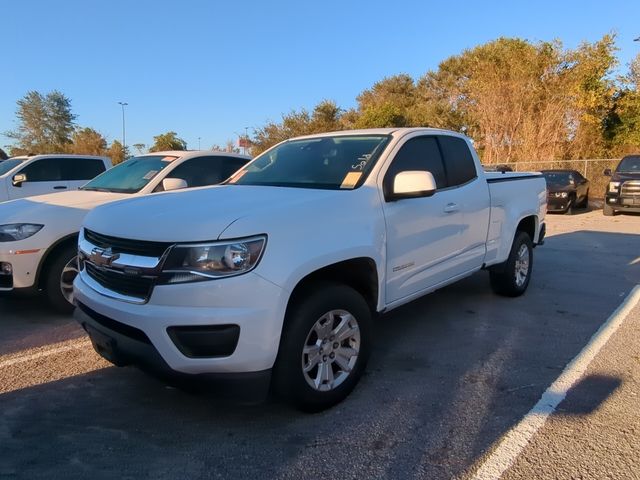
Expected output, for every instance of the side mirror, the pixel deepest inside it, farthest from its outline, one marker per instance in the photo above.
(174, 184)
(19, 179)
(607, 172)
(413, 184)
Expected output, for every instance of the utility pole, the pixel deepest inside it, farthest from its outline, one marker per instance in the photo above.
(199, 144)
(124, 138)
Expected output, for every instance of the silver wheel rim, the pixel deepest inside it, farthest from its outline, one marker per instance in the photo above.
(331, 350)
(69, 273)
(522, 265)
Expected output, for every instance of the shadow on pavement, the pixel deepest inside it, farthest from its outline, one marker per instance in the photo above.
(588, 394)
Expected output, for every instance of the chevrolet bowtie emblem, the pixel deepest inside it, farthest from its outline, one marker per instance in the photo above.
(103, 257)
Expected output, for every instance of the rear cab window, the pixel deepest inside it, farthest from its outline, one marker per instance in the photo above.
(458, 161)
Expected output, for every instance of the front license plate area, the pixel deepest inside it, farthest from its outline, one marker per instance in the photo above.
(106, 346)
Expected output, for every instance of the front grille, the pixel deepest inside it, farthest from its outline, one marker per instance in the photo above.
(124, 245)
(630, 188)
(136, 286)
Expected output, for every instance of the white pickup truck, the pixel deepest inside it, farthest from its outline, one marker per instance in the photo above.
(273, 278)
(39, 235)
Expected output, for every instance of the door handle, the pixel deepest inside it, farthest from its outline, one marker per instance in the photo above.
(451, 208)
(59, 187)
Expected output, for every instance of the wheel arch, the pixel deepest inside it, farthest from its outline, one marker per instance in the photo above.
(49, 255)
(359, 273)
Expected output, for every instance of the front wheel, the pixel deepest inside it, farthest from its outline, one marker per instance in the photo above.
(324, 348)
(59, 280)
(511, 278)
(608, 210)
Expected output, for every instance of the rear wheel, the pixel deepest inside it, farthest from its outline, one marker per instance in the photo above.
(608, 210)
(511, 278)
(324, 348)
(60, 275)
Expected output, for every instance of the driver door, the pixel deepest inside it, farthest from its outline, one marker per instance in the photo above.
(423, 234)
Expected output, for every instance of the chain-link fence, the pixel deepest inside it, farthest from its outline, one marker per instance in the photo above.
(591, 169)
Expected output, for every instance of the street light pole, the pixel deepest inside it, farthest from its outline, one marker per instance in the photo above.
(124, 141)
(199, 144)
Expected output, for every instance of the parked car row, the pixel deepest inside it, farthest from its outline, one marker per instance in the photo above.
(569, 189)
(39, 234)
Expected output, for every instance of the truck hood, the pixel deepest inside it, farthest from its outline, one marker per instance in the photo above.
(49, 208)
(624, 176)
(200, 214)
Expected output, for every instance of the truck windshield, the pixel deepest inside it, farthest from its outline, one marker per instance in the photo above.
(8, 165)
(130, 176)
(627, 164)
(337, 162)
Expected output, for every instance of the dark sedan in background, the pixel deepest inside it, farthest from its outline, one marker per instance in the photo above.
(566, 190)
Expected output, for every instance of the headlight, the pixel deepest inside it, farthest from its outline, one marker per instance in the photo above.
(560, 194)
(613, 186)
(193, 263)
(18, 231)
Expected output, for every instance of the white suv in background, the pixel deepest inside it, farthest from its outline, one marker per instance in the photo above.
(27, 176)
(39, 235)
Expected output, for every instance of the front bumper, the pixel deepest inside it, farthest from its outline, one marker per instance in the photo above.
(24, 268)
(623, 203)
(558, 204)
(124, 346)
(254, 304)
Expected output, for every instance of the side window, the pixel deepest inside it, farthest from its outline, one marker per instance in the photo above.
(419, 153)
(81, 168)
(231, 165)
(43, 170)
(201, 171)
(457, 158)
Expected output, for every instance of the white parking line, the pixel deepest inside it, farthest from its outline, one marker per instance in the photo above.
(55, 349)
(518, 437)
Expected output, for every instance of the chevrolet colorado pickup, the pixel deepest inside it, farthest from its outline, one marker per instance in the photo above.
(39, 235)
(272, 279)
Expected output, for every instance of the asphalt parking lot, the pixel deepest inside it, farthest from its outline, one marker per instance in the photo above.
(450, 375)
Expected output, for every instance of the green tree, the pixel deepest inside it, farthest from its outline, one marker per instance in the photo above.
(623, 121)
(140, 147)
(389, 103)
(326, 116)
(116, 152)
(167, 141)
(45, 123)
(88, 141)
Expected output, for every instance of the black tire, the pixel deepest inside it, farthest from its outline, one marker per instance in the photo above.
(503, 276)
(52, 280)
(570, 206)
(608, 210)
(310, 307)
(585, 202)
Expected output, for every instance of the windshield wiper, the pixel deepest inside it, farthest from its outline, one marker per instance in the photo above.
(95, 189)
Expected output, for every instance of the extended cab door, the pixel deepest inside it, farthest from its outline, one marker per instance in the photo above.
(431, 240)
(42, 176)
